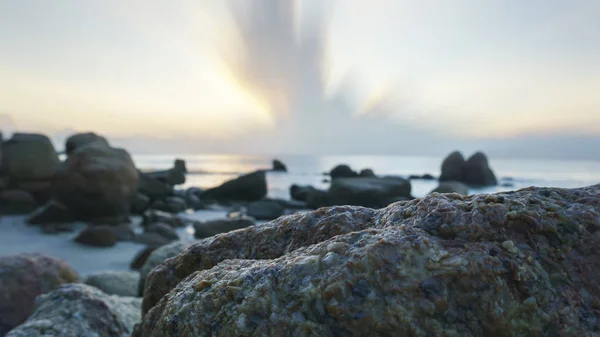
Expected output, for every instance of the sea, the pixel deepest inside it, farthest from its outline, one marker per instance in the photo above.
(211, 170)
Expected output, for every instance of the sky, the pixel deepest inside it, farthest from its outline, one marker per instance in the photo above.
(509, 77)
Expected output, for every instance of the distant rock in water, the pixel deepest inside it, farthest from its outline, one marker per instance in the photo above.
(24, 277)
(77, 310)
(265, 209)
(342, 171)
(247, 187)
(426, 176)
(522, 263)
(81, 139)
(474, 172)
(367, 173)
(368, 192)
(171, 177)
(279, 166)
(451, 187)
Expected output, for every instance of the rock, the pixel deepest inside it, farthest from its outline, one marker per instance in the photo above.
(507, 184)
(300, 193)
(434, 266)
(210, 228)
(56, 228)
(342, 171)
(98, 236)
(140, 204)
(173, 220)
(368, 192)
(317, 198)
(452, 187)
(115, 282)
(24, 277)
(152, 239)
(180, 165)
(97, 182)
(81, 139)
(29, 157)
(163, 230)
(248, 187)
(16, 202)
(265, 209)
(40, 189)
(171, 177)
(477, 171)
(124, 232)
(52, 213)
(153, 188)
(77, 310)
(453, 167)
(279, 166)
(193, 201)
(141, 257)
(426, 176)
(170, 205)
(157, 257)
(291, 204)
(367, 173)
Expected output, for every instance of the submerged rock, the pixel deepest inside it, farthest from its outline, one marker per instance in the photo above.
(78, 310)
(24, 277)
(522, 263)
(115, 282)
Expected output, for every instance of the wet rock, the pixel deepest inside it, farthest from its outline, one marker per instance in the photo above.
(140, 204)
(279, 166)
(16, 202)
(265, 209)
(342, 171)
(170, 205)
(96, 182)
(213, 227)
(248, 187)
(141, 257)
(157, 257)
(115, 282)
(432, 266)
(163, 230)
(477, 171)
(24, 277)
(152, 239)
(29, 157)
(52, 213)
(98, 236)
(82, 139)
(76, 310)
(368, 192)
(452, 187)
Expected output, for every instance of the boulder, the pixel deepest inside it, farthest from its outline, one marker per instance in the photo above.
(453, 167)
(16, 202)
(248, 187)
(477, 171)
(52, 213)
(180, 165)
(152, 239)
(77, 310)
(115, 282)
(81, 139)
(163, 230)
(318, 198)
(213, 227)
(291, 204)
(279, 166)
(170, 205)
(426, 176)
(98, 236)
(451, 187)
(141, 257)
(140, 204)
(368, 192)
(265, 209)
(300, 193)
(97, 182)
(368, 173)
(153, 188)
(157, 257)
(342, 171)
(521, 263)
(124, 232)
(29, 157)
(171, 177)
(24, 277)
(173, 220)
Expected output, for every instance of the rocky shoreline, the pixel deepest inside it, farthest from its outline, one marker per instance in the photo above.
(362, 258)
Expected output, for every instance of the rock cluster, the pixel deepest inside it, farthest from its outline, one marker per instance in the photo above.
(522, 263)
(475, 171)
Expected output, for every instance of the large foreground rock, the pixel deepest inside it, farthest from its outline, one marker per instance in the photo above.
(22, 279)
(248, 187)
(523, 263)
(157, 257)
(368, 192)
(97, 182)
(79, 310)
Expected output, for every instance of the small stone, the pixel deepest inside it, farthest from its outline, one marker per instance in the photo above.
(509, 246)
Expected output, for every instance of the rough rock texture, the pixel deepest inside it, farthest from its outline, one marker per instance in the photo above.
(523, 263)
(22, 279)
(97, 182)
(115, 282)
(213, 227)
(81, 139)
(452, 187)
(79, 310)
(248, 187)
(368, 192)
(27, 157)
(157, 257)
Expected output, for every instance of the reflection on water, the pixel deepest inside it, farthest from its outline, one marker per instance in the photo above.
(308, 170)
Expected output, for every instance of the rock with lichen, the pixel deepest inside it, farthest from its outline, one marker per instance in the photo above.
(79, 310)
(522, 263)
(157, 257)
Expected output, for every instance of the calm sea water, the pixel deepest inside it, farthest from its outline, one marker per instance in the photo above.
(212, 170)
